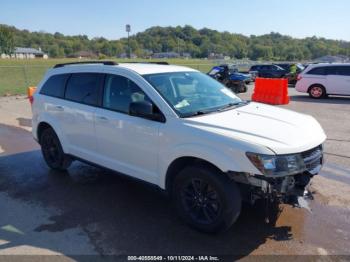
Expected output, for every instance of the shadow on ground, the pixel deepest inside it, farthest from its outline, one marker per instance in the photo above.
(27, 122)
(119, 215)
(330, 100)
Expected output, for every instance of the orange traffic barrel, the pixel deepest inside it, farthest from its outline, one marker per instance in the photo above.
(30, 91)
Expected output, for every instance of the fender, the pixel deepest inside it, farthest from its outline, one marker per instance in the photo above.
(218, 158)
(44, 117)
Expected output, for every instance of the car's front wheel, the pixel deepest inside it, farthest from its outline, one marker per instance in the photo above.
(52, 151)
(206, 199)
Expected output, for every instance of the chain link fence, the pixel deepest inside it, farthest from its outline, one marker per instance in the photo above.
(14, 80)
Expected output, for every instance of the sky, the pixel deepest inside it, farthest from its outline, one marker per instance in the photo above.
(107, 18)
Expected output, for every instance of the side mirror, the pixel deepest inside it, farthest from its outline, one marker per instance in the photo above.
(146, 110)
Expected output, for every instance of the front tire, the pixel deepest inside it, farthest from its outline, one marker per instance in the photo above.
(206, 199)
(317, 92)
(52, 151)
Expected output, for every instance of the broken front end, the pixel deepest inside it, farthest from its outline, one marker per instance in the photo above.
(285, 177)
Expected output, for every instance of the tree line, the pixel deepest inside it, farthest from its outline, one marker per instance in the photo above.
(198, 43)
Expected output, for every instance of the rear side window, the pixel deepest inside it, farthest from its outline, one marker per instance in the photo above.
(344, 70)
(54, 86)
(84, 88)
(339, 70)
(317, 71)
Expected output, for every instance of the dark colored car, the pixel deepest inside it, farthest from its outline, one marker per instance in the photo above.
(286, 66)
(292, 78)
(269, 71)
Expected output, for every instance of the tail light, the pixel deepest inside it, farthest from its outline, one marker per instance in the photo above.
(299, 77)
(31, 100)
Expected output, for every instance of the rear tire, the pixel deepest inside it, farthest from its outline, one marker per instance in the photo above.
(206, 199)
(52, 151)
(317, 92)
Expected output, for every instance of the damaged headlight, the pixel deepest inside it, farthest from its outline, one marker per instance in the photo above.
(282, 165)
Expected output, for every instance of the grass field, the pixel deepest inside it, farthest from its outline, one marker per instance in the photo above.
(17, 75)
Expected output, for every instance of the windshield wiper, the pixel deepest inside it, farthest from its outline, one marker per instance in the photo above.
(232, 105)
(197, 113)
(221, 109)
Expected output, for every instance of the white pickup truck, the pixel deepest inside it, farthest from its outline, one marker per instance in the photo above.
(179, 129)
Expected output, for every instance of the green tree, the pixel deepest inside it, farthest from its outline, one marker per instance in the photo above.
(6, 40)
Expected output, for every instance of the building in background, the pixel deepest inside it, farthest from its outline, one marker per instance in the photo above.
(84, 55)
(28, 53)
(125, 56)
(166, 55)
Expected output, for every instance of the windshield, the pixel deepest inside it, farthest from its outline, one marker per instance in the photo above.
(214, 71)
(192, 93)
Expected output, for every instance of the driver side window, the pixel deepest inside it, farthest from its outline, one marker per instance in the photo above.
(119, 92)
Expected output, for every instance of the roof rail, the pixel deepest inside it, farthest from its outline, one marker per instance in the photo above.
(156, 63)
(110, 63)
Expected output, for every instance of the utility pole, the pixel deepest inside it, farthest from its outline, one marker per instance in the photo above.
(128, 30)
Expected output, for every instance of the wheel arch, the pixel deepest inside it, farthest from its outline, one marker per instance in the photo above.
(45, 123)
(182, 162)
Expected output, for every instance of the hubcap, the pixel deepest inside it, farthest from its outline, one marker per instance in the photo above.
(316, 91)
(201, 201)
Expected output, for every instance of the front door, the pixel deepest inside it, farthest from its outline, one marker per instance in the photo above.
(125, 143)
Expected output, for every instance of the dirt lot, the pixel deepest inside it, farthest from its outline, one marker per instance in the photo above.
(91, 211)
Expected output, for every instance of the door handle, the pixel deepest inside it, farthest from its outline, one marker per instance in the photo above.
(59, 108)
(102, 118)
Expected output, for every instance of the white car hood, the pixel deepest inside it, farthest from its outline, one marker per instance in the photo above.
(283, 131)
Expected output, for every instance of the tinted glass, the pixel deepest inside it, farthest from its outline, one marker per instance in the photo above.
(54, 86)
(84, 88)
(284, 66)
(344, 70)
(339, 70)
(317, 71)
(119, 92)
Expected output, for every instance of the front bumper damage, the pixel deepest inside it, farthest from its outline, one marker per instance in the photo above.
(286, 189)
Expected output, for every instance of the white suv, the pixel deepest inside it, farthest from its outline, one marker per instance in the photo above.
(321, 80)
(179, 129)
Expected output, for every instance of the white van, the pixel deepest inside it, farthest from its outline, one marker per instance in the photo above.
(180, 130)
(321, 80)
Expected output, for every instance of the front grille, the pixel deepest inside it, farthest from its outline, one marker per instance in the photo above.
(313, 159)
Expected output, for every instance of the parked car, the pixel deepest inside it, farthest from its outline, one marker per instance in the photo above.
(230, 78)
(268, 71)
(180, 130)
(292, 78)
(321, 80)
(286, 66)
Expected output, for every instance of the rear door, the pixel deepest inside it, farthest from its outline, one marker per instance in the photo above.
(346, 74)
(51, 100)
(82, 95)
(316, 75)
(338, 80)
